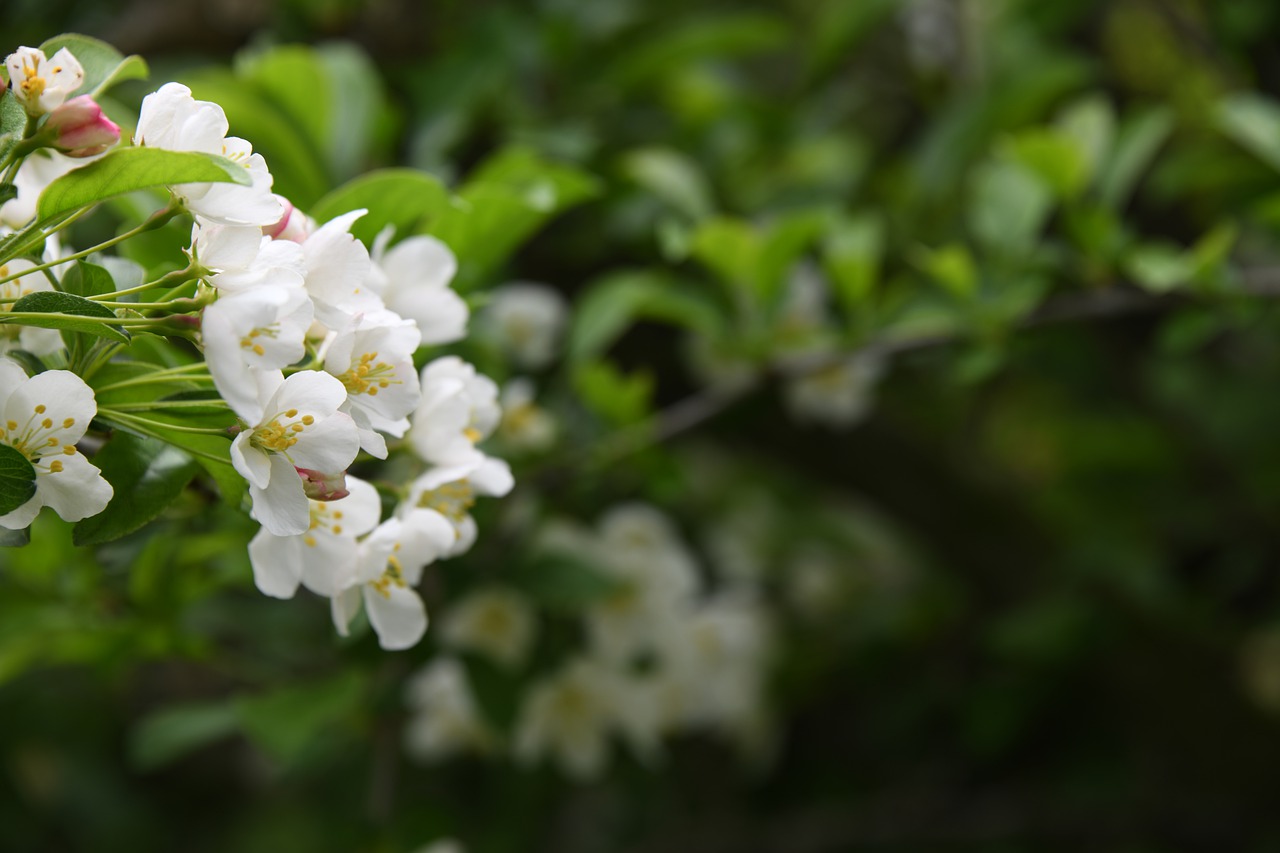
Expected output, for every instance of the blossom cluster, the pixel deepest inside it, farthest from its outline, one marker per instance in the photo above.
(663, 654)
(308, 337)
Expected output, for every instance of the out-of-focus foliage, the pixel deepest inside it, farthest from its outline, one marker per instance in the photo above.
(942, 325)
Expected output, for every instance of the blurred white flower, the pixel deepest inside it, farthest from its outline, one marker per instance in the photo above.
(498, 623)
(413, 277)
(42, 84)
(525, 426)
(526, 320)
(568, 718)
(839, 394)
(444, 720)
(452, 491)
(459, 409)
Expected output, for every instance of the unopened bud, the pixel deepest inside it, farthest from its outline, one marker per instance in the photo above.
(323, 487)
(80, 128)
(293, 226)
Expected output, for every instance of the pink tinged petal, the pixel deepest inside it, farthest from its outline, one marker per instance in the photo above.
(277, 563)
(343, 607)
(319, 486)
(252, 463)
(328, 445)
(77, 491)
(398, 616)
(281, 507)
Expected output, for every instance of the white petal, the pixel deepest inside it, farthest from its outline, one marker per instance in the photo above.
(398, 617)
(328, 445)
(343, 607)
(77, 491)
(251, 462)
(282, 506)
(277, 563)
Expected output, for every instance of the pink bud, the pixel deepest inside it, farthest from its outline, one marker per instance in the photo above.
(3, 86)
(323, 487)
(81, 129)
(292, 226)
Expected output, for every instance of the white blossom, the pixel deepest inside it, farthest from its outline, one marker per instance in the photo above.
(250, 333)
(299, 426)
(839, 394)
(525, 426)
(413, 277)
(444, 719)
(388, 567)
(316, 557)
(337, 272)
(498, 623)
(452, 492)
(527, 321)
(173, 120)
(42, 84)
(43, 418)
(459, 409)
(373, 358)
(568, 718)
(239, 258)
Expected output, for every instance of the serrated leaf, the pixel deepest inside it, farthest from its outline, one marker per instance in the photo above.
(404, 198)
(146, 474)
(103, 65)
(54, 310)
(17, 479)
(127, 170)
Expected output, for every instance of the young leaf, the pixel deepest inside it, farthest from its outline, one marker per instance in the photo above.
(1139, 139)
(53, 310)
(851, 255)
(146, 474)
(17, 479)
(171, 733)
(615, 302)
(128, 169)
(672, 177)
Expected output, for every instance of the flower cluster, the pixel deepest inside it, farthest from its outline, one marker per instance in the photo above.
(308, 338)
(663, 655)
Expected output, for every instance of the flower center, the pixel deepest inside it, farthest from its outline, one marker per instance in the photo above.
(392, 575)
(35, 439)
(251, 342)
(278, 436)
(369, 375)
(452, 500)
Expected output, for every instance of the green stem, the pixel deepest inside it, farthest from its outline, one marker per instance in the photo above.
(171, 404)
(117, 414)
(155, 221)
(180, 276)
(160, 377)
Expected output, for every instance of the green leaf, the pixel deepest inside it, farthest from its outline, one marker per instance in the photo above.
(405, 198)
(171, 733)
(54, 310)
(17, 479)
(952, 267)
(1008, 207)
(1159, 267)
(730, 248)
(694, 41)
(1139, 139)
(563, 581)
(1058, 160)
(146, 474)
(618, 398)
(673, 177)
(13, 123)
(86, 279)
(851, 255)
(1091, 124)
(104, 66)
(126, 170)
(1254, 122)
(612, 304)
(288, 721)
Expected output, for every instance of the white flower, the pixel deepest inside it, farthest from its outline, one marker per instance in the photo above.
(452, 491)
(43, 418)
(40, 84)
(323, 553)
(525, 425)
(839, 394)
(299, 427)
(12, 335)
(568, 717)
(389, 565)
(526, 320)
(337, 269)
(445, 720)
(249, 332)
(413, 278)
(495, 622)
(459, 408)
(239, 258)
(373, 359)
(172, 119)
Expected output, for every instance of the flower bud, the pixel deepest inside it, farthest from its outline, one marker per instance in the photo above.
(293, 226)
(319, 486)
(81, 129)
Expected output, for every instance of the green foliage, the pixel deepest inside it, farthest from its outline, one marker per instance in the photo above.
(17, 479)
(127, 170)
(146, 475)
(104, 66)
(53, 310)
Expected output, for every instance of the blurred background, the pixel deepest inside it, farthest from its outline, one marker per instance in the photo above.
(919, 352)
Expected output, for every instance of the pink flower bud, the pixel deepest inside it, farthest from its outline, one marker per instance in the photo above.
(3, 86)
(293, 226)
(81, 129)
(323, 487)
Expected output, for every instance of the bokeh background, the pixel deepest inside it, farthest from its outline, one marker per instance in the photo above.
(1020, 570)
